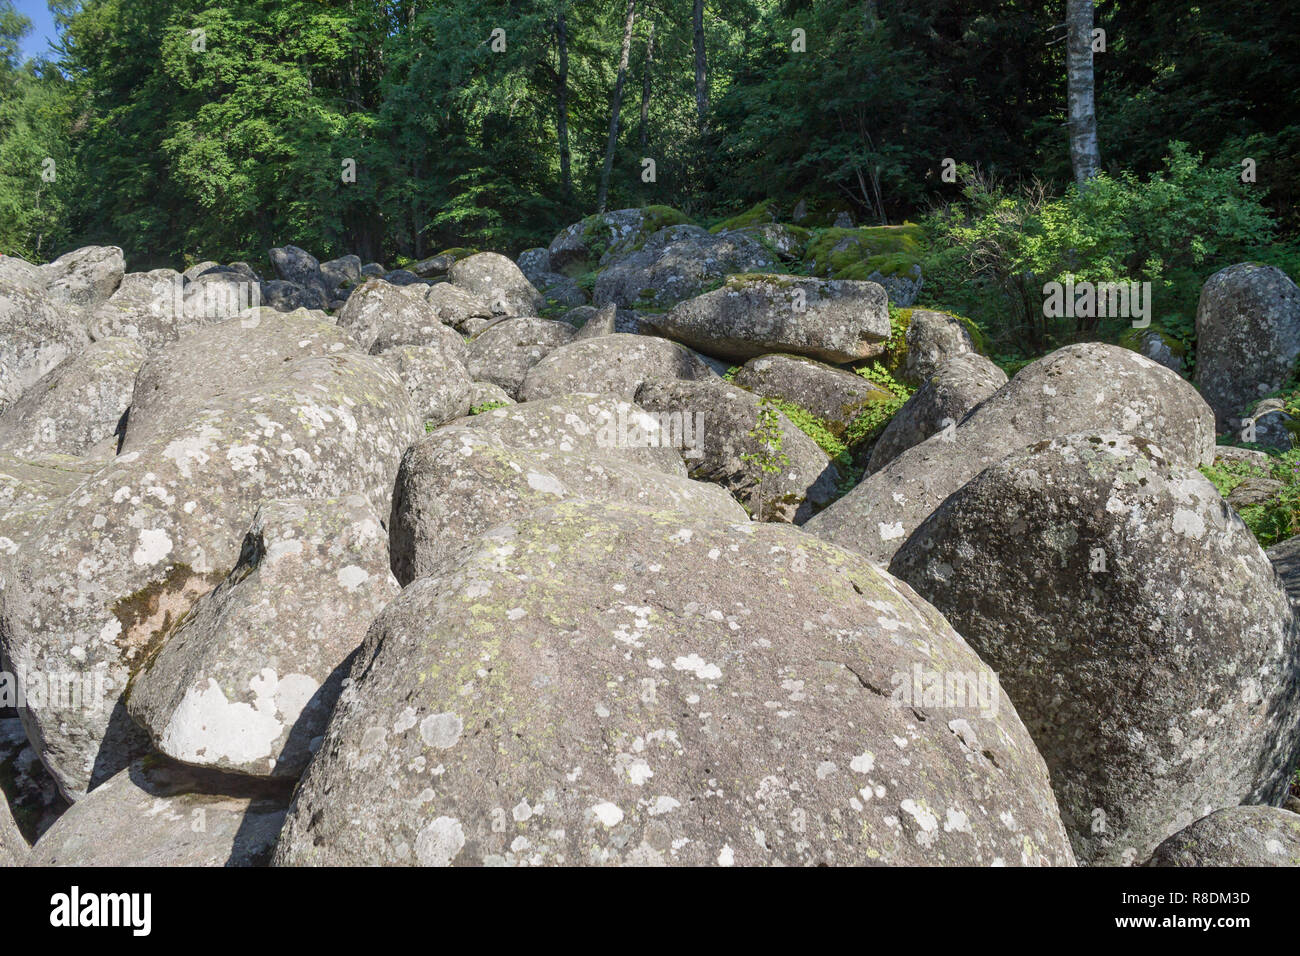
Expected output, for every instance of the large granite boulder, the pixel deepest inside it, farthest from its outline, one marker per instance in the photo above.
(1234, 836)
(617, 364)
(503, 353)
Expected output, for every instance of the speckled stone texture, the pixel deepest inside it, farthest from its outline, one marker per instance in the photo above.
(494, 278)
(615, 364)
(834, 395)
(247, 682)
(1083, 387)
(1137, 626)
(835, 320)
(263, 406)
(1237, 836)
(504, 353)
(606, 685)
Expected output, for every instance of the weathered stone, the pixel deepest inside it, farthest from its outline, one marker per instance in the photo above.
(459, 482)
(76, 405)
(833, 395)
(485, 393)
(504, 353)
(1247, 337)
(246, 683)
(439, 384)
(157, 813)
(932, 339)
(85, 277)
(1135, 623)
(36, 334)
(341, 271)
(1085, 387)
(615, 364)
(713, 697)
(455, 306)
(597, 323)
(1234, 836)
(289, 296)
(676, 263)
(298, 267)
(498, 280)
(943, 400)
(381, 316)
(533, 263)
(830, 319)
(730, 444)
(266, 406)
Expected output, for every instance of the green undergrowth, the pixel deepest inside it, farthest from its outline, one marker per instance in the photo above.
(1276, 518)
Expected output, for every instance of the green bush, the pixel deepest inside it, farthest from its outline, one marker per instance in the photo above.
(989, 255)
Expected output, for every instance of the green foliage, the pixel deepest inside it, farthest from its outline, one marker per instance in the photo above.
(1276, 518)
(482, 407)
(769, 457)
(992, 253)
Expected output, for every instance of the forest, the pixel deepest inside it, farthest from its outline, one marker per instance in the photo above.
(393, 130)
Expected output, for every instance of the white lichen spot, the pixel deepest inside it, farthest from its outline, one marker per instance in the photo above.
(608, 813)
(439, 842)
(441, 730)
(694, 664)
(153, 547)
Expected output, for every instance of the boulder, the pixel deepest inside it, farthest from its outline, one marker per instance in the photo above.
(615, 364)
(30, 797)
(380, 316)
(1136, 625)
(835, 320)
(148, 307)
(420, 328)
(727, 438)
(158, 813)
(299, 267)
(199, 268)
(602, 684)
(833, 395)
(534, 262)
(438, 383)
(1084, 387)
(1234, 836)
(1268, 425)
(13, 848)
(943, 400)
(31, 488)
(498, 280)
(676, 263)
(289, 296)
(85, 277)
(270, 405)
(344, 270)
(485, 393)
(596, 239)
(933, 338)
(596, 323)
(503, 353)
(455, 306)
(596, 424)
(403, 277)
(458, 482)
(1247, 338)
(36, 333)
(247, 682)
(559, 290)
(76, 405)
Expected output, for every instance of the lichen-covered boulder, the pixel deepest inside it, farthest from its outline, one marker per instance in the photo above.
(833, 395)
(615, 364)
(1085, 387)
(485, 393)
(36, 333)
(1135, 623)
(84, 277)
(270, 405)
(286, 296)
(597, 424)
(31, 488)
(76, 405)
(300, 267)
(380, 316)
(458, 482)
(440, 385)
(1247, 337)
(503, 353)
(341, 271)
(420, 328)
(247, 681)
(829, 319)
(604, 237)
(142, 308)
(559, 290)
(674, 264)
(602, 684)
(493, 277)
(158, 813)
(534, 262)
(729, 438)
(932, 339)
(596, 322)
(1234, 836)
(455, 306)
(944, 398)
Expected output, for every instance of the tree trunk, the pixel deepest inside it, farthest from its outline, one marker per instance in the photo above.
(562, 107)
(602, 194)
(645, 89)
(701, 71)
(1085, 154)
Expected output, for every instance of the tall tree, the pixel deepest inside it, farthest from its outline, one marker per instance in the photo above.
(562, 106)
(701, 71)
(645, 88)
(1085, 155)
(602, 194)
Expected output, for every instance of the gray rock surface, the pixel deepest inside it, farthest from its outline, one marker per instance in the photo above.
(1135, 623)
(1078, 388)
(36, 332)
(1235, 836)
(833, 395)
(439, 385)
(615, 364)
(156, 813)
(715, 697)
(943, 400)
(674, 264)
(84, 277)
(270, 405)
(503, 353)
(933, 338)
(829, 319)
(247, 682)
(725, 442)
(495, 278)
(1247, 337)
(598, 322)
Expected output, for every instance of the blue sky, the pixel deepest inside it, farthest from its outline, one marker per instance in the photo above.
(36, 42)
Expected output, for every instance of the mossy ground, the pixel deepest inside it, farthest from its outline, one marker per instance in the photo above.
(866, 251)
